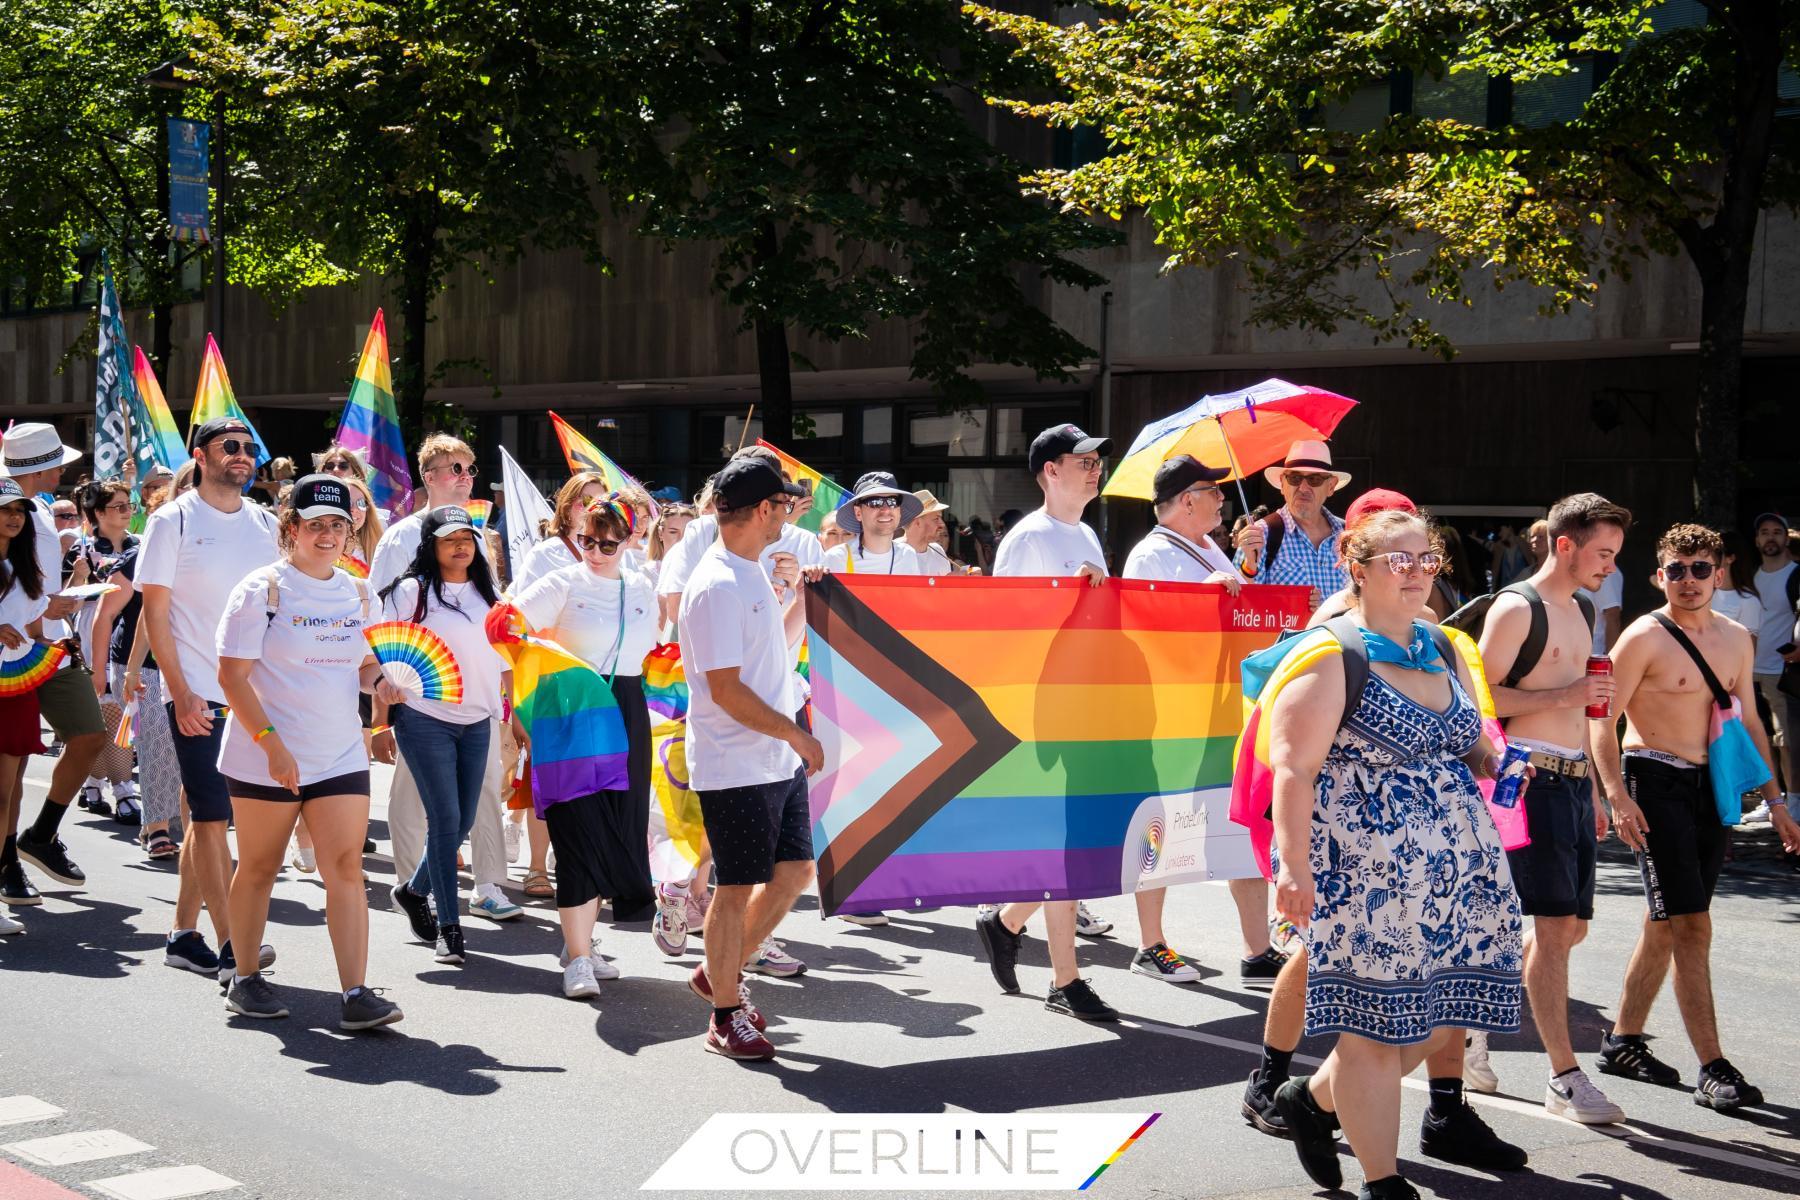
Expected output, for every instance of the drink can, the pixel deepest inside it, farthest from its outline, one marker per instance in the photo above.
(1512, 776)
(1599, 664)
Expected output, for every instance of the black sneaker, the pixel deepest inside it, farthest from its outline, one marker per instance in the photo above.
(1723, 1088)
(449, 945)
(191, 953)
(265, 959)
(253, 997)
(1630, 1058)
(1314, 1132)
(1259, 1106)
(1078, 1000)
(1002, 946)
(1160, 962)
(16, 890)
(417, 910)
(368, 845)
(366, 1008)
(1391, 1188)
(52, 858)
(1263, 968)
(1465, 1139)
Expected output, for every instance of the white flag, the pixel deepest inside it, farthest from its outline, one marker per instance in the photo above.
(525, 510)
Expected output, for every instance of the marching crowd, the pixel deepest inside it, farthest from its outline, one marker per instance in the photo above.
(231, 644)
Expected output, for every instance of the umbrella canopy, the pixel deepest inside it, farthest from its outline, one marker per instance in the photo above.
(1243, 432)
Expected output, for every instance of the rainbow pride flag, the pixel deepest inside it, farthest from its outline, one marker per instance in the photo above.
(578, 743)
(677, 831)
(152, 422)
(827, 495)
(214, 398)
(1027, 737)
(665, 683)
(371, 425)
(583, 455)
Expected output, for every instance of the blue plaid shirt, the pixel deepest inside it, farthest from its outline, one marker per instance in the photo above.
(1298, 562)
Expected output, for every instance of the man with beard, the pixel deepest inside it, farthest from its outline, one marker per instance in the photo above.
(207, 540)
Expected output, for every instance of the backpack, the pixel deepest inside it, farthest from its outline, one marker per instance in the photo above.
(1356, 657)
(272, 596)
(1472, 616)
(1273, 529)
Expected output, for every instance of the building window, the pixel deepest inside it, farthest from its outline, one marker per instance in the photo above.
(1365, 111)
(1553, 99)
(932, 435)
(1461, 97)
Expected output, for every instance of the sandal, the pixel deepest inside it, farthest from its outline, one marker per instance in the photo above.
(538, 884)
(161, 845)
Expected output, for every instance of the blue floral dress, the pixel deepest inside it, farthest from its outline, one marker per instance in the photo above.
(1415, 921)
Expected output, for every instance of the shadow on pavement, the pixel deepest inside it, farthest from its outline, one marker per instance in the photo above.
(89, 943)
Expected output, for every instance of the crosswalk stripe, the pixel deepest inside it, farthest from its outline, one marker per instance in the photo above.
(17, 1110)
(163, 1183)
(65, 1149)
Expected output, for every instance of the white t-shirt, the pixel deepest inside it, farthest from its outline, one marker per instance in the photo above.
(1165, 554)
(580, 610)
(933, 560)
(547, 556)
(1744, 608)
(899, 559)
(465, 633)
(730, 618)
(308, 658)
(699, 536)
(1610, 594)
(201, 554)
(1777, 618)
(50, 557)
(19, 610)
(394, 552)
(1041, 545)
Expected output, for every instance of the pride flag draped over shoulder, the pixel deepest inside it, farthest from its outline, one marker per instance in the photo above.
(213, 398)
(583, 455)
(577, 736)
(371, 425)
(1025, 737)
(826, 494)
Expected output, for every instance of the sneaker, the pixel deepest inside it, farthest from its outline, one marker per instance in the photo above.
(873, 920)
(1630, 1058)
(702, 987)
(253, 997)
(695, 911)
(509, 835)
(1391, 1188)
(190, 952)
(669, 929)
(491, 902)
(578, 979)
(16, 890)
(603, 970)
(368, 845)
(366, 1008)
(1259, 1106)
(52, 858)
(1160, 962)
(1757, 816)
(1002, 946)
(1078, 1000)
(1573, 1095)
(1478, 1072)
(417, 910)
(8, 926)
(1723, 1088)
(449, 946)
(772, 958)
(1087, 924)
(304, 859)
(738, 1036)
(265, 958)
(1286, 937)
(126, 810)
(1314, 1132)
(1261, 970)
(1465, 1139)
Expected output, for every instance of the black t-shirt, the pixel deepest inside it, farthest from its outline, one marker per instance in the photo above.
(125, 628)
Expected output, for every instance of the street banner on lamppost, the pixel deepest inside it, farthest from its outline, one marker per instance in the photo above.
(189, 143)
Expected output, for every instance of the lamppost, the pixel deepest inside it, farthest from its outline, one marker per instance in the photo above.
(174, 76)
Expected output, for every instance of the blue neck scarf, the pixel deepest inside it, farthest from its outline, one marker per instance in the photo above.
(1421, 655)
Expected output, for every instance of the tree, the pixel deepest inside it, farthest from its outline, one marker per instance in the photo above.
(818, 147)
(1220, 119)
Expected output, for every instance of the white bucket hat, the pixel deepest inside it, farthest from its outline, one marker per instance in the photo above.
(1306, 456)
(35, 446)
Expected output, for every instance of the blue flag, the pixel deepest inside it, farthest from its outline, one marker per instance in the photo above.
(114, 393)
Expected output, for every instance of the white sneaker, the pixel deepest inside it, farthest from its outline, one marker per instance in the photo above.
(509, 833)
(600, 967)
(1757, 816)
(490, 902)
(1573, 1095)
(867, 920)
(669, 930)
(8, 926)
(773, 959)
(1478, 1073)
(303, 859)
(1087, 924)
(578, 980)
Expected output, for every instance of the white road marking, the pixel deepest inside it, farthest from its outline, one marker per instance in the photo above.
(164, 1183)
(17, 1110)
(63, 1149)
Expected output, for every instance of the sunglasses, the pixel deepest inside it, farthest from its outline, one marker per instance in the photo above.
(1309, 479)
(589, 545)
(231, 447)
(1399, 562)
(339, 468)
(1676, 572)
(123, 507)
(66, 517)
(359, 505)
(879, 502)
(456, 468)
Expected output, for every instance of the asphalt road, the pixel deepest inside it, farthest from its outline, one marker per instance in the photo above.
(496, 1086)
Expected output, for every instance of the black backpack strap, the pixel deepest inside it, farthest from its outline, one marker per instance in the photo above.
(1793, 589)
(1356, 662)
(1536, 637)
(1721, 697)
(1588, 612)
(1273, 528)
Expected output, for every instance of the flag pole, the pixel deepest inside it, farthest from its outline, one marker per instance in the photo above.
(746, 430)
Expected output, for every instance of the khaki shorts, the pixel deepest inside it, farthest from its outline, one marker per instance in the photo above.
(68, 703)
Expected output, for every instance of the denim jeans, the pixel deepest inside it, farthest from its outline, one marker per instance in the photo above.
(447, 762)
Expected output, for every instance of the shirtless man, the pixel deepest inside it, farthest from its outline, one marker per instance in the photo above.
(1541, 708)
(1662, 805)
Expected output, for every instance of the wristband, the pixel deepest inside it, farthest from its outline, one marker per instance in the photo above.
(262, 733)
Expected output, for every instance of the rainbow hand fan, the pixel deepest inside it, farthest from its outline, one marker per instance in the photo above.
(127, 726)
(416, 660)
(32, 669)
(479, 511)
(354, 565)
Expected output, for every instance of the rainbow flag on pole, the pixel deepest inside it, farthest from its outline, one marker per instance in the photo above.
(827, 495)
(371, 425)
(583, 455)
(152, 422)
(214, 398)
(1025, 738)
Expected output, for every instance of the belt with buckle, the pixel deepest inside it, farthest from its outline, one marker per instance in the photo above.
(1556, 764)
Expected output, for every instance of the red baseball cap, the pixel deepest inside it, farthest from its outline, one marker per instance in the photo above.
(1377, 500)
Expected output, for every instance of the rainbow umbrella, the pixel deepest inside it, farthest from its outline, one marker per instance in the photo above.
(1243, 432)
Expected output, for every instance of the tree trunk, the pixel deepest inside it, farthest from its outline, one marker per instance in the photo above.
(774, 365)
(1718, 398)
(416, 284)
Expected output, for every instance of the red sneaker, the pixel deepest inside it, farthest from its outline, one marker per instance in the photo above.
(738, 1037)
(702, 987)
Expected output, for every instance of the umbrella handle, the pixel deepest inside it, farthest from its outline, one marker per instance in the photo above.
(1250, 565)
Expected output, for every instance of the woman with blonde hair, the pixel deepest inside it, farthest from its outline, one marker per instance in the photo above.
(665, 531)
(359, 551)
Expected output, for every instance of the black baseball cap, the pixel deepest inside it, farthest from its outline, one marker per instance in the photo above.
(1180, 473)
(446, 520)
(1055, 442)
(219, 427)
(747, 482)
(1765, 518)
(320, 496)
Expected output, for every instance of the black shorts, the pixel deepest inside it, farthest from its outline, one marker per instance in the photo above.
(752, 828)
(1555, 873)
(198, 757)
(1685, 844)
(352, 783)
